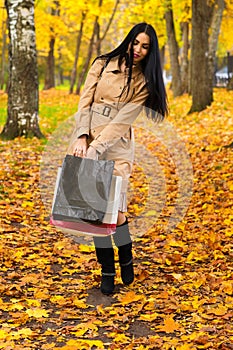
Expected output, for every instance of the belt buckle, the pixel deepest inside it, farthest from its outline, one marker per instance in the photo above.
(106, 111)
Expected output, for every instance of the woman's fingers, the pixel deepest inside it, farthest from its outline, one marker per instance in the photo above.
(80, 148)
(80, 152)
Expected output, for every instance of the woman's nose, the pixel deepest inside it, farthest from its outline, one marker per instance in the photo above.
(137, 48)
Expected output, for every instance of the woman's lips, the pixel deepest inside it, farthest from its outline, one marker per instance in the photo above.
(135, 55)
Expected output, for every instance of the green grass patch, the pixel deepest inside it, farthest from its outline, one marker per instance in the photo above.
(51, 116)
(3, 115)
(55, 106)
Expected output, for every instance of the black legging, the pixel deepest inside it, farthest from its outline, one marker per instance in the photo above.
(121, 237)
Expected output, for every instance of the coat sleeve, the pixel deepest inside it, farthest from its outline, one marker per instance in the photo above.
(122, 121)
(83, 115)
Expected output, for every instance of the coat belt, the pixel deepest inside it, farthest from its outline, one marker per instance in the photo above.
(104, 110)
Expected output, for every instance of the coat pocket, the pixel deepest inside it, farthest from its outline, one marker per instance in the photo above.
(128, 138)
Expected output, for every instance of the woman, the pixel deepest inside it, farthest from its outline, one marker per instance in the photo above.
(117, 87)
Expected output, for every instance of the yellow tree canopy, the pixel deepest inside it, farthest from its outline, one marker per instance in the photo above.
(61, 20)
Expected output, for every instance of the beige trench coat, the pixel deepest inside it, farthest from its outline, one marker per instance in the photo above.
(107, 120)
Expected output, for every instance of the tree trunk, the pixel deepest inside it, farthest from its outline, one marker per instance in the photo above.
(87, 62)
(174, 53)
(50, 67)
(2, 77)
(213, 38)
(202, 94)
(89, 56)
(50, 61)
(98, 40)
(184, 58)
(95, 34)
(22, 111)
(162, 56)
(230, 84)
(60, 78)
(110, 20)
(78, 44)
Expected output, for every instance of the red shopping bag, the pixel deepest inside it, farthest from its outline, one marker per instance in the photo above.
(82, 227)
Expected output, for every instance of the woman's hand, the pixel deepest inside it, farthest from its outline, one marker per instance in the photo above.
(92, 153)
(80, 147)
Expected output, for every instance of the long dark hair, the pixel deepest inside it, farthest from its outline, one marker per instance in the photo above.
(156, 103)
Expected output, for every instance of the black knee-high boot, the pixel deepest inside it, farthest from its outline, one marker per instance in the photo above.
(123, 241)
(105, 256)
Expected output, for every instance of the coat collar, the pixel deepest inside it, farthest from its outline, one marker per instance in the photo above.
(114, 67)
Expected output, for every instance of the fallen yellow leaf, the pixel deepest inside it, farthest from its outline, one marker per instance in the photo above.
(130, 297)
(149, 317)
(219, 311)
(169, 326)
(37, 313)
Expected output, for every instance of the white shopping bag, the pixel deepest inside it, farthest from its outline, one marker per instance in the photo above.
(113, 202)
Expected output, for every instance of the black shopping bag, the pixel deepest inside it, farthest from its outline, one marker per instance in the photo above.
(83, 189)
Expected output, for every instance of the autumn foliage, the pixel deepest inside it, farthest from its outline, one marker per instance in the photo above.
(182, 297)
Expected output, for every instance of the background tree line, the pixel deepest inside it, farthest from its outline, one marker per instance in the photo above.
(53, 42)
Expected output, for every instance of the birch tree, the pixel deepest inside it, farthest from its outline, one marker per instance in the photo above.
(22, 112)
(3, 63)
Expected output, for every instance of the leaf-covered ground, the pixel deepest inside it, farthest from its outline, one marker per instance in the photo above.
(182, 297)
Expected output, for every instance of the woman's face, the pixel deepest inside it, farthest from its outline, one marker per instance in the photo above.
(141, 47)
